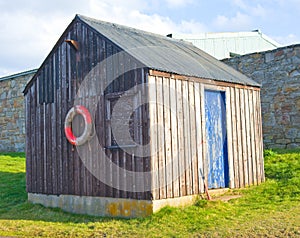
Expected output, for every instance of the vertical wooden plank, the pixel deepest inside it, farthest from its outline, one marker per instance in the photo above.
(116, 82)
(204, 137)
(59, 128)
(83, 64)
(168, 138)
(75, 79)
(84, 68)
(53, 128)
(199, 138)
(239, 138)
(45, 171)
(260, 138)
(121, 66)
(129, 179)
(257, 137)
(193, 140)
(63, 105)
(161, 138)
(33, 127)
(101, 132)
(229, 137)
(252, 138)
(80, 76)
(109, 191)
(174, 138)
(41, 160)
(48, 127)
(141, 160)
(187, 139)
(244, 137)
(145, 135)
(134, 169)
(153, 137)
(95, 143)
(136, 118)
(137, 123)
(71, 150)
(47, 158)
(122, 164)
(180, 132)
(89, 99)
(116, 176)
(109, 67)
(234, 137)
(28, 142)
(37, 147)
(256, 158)
(34, 140)
(248, 136)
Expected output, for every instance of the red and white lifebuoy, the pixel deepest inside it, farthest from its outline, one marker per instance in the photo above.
(83, 111)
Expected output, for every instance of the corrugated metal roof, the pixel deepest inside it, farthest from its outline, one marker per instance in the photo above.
(166, 54)
(220, 45)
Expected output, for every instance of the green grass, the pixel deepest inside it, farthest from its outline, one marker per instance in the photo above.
(271, 209)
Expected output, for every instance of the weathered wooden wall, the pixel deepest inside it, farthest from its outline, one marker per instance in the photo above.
(177, 129)
(177, 132)
(53, 164)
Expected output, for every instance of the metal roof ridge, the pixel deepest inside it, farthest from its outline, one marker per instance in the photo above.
(124, 27)
(18, 74)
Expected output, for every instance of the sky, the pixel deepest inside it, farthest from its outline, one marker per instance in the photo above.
(30, 28)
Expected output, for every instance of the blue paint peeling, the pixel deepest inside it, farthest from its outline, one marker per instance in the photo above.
(217, 155)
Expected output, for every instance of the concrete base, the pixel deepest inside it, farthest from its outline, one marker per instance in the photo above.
(97, 206)
(111, 207)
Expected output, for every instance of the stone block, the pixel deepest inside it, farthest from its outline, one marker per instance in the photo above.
(269, 57)
(283, 141)
(294, 73)
(293, 146)
(3, 95)
(291, 133)
(296, 60)
(278, 146)
(295, 120)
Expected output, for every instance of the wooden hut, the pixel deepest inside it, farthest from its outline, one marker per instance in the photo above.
(193, 122)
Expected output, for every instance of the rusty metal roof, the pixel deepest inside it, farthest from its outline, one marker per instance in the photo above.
(167, 54)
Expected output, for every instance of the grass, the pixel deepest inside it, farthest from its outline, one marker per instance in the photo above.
(271, 209)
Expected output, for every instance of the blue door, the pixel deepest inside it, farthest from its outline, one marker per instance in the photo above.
(217, 158)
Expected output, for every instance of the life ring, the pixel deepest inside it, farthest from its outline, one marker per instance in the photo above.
(83, 111)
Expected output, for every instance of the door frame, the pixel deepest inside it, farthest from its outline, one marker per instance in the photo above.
(227, 91)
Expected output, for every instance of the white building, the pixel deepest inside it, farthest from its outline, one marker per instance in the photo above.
(227, 44)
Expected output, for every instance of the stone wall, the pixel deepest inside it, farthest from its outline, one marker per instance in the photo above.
(12, 119)
(278, 71)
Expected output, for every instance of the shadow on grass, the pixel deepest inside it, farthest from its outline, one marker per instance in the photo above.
(13, 154)
(284, 173)
(14, 204)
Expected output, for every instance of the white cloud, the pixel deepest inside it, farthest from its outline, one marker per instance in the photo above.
(248, 7)
(126, 14)
(29, 32)
(178, 3)
(287, 40)
(240, 3)
(192, 27)
(26, 39)
(239, 22)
